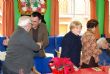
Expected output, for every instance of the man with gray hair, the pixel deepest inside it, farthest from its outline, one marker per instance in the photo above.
(20, 51)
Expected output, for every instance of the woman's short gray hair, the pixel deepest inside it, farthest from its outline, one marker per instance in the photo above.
(75, 24)
(24, 20)
(100, 41)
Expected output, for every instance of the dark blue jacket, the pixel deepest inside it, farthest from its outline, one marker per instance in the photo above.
(71, 47)
(2, 47)
(104, 58)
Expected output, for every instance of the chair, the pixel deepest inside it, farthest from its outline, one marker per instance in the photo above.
(41, 64)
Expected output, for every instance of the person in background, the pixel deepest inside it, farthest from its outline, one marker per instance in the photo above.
(104, 57)
(90, 51)
(71, 43)
(5, 41)
(20, 50)
(39, 31)
(3, 46)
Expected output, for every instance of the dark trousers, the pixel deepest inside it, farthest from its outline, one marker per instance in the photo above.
(91, 64)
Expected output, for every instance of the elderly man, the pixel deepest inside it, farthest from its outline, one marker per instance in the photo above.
(20, 51)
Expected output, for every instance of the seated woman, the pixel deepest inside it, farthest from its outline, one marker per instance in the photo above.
(3, 45)
(105, 55)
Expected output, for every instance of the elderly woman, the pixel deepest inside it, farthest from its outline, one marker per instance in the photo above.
(90, 52)
(105, 55)
(19, 57)
(71, 43)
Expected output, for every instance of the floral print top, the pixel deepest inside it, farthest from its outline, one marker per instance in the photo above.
(89, 47)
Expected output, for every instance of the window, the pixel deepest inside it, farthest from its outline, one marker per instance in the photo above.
(70, 10)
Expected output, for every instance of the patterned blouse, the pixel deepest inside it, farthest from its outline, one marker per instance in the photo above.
(89, 48)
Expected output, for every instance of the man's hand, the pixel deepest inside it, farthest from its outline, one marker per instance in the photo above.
(40, 44)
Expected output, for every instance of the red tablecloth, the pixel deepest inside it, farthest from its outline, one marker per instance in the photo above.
(103, 70)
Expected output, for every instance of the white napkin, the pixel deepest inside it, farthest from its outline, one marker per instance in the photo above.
(2, 55)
